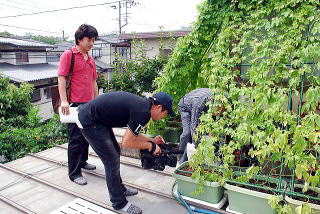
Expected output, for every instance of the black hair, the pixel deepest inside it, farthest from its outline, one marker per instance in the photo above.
(154, 102)
(85, 31)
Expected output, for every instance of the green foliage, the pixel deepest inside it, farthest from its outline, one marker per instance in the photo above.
(255, 56)
(46, 39)
(6, 33)
(14, 104)
(136, 75)
(21, 131)
(16, 142)
(101, 81)
(122, 81)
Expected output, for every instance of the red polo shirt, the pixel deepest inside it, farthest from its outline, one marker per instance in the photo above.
(84, 72)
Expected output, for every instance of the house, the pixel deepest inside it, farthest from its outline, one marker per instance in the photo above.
(153, 41)
(123, 47)
(110, 47)
(23, 60)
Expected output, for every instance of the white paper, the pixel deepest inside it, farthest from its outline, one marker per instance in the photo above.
(72, 117)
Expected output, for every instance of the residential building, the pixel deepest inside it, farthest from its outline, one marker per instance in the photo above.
(153, 41)
(23, 60)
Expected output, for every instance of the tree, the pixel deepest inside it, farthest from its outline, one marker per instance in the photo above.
(21, 131)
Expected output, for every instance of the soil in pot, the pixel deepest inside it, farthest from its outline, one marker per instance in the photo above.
(309, 193)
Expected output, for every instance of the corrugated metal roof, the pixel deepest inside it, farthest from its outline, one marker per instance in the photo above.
(109, 39)
(103, 65)
(149, 35)
(39, 183)
(23, 42)
(47, 186)
(29, 73)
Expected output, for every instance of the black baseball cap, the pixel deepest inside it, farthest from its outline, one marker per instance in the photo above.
(165, 100)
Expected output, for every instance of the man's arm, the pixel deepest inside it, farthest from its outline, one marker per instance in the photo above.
(95, 88)
(157, 140)
(62, 82)
(138, 142)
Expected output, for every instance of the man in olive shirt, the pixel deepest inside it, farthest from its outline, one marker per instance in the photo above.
(120, 109)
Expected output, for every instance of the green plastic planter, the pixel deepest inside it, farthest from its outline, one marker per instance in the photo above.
(213, 192)
(293, 203)
(171, 134)
(248, 201)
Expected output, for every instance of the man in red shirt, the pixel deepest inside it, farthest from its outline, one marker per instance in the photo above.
(83, 89)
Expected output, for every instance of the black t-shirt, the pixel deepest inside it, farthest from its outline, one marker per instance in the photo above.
(117, 109)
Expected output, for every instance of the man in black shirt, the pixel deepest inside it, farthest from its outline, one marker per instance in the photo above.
(120, 109)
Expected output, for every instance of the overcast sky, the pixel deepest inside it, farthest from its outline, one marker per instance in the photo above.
(148, 15)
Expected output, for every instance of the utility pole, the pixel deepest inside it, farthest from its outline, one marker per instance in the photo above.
(119, 17)
(127, 4)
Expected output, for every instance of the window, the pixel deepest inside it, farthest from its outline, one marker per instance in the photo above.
(36, 95)
(47, 92)
(22, 57)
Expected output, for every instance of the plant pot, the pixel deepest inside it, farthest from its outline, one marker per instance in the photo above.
(294, 203)
(175, 124)
(248, 201)
(171, 134)
(213, 192)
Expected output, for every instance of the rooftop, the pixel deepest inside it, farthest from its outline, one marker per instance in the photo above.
(39, 183)
(158, 34)
(29, 73)
(19, 42)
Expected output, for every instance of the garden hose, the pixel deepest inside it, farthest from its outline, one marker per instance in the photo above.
(186, 205)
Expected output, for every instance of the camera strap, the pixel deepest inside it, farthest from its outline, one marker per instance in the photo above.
(153, 147)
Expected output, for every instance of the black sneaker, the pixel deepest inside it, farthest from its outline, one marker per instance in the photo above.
(89, 166)
(130, 192)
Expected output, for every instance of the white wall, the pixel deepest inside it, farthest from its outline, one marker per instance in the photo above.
(8, 57)
(152, 46)
(34, 58)
(37, 57)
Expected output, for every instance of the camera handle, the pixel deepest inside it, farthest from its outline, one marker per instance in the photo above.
(153, 147)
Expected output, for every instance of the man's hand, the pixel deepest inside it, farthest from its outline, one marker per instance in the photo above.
(156, 151)
(158, 140)
(64, 107)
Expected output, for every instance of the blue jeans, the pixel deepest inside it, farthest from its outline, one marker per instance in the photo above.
(186, 136)
(102, 140)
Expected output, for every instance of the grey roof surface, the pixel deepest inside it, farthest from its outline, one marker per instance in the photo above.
(158, 34)
(62, 46)
(102, 64)
(23, 42)
(29, 73)
(109, 39)
(39, 183)
(47, 186)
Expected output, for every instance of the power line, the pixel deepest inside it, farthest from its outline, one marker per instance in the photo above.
(51, 11)
(15, 7)
(29, 29)
(41, 4)
(24, 3)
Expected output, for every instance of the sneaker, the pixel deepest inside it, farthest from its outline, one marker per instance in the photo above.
(132, 209)
(89, 166)
(130, 192)
(80, 180)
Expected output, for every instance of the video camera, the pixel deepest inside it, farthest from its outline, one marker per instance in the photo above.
(159, 161)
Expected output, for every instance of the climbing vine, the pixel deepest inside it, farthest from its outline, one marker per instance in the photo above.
(261, 60)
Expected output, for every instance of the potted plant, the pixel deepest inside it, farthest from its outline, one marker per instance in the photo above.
(205, 188)
(304, 198)
(251, 193)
